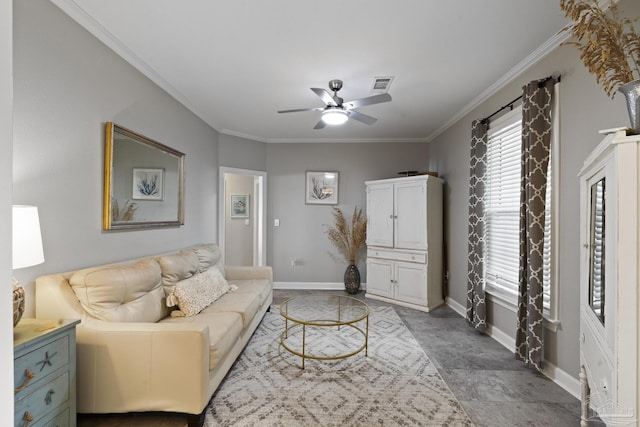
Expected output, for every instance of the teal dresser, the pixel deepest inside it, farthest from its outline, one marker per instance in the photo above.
(44, 371)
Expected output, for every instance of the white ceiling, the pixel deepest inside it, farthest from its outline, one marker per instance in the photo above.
(236, 63)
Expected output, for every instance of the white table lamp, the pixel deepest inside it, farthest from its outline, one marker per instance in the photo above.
(27, 250)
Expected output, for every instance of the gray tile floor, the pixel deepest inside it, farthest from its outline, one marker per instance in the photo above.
(495, 389)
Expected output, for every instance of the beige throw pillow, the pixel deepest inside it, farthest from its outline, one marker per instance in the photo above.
(194, 294)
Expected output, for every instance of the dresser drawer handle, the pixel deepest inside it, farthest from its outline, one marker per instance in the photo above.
(47, 360)
(28, 418)
(48, 399)
(30, 375)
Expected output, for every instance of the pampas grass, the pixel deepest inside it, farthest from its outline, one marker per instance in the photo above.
(348, 238)
(608, 43)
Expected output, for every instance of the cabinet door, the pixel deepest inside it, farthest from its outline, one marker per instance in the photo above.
(380, 215)
(410, 207)
(411, 282)
(379, 277)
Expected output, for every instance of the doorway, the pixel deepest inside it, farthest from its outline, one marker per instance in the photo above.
(242, 213)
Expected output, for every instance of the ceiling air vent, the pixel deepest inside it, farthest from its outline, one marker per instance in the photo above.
(381, 84)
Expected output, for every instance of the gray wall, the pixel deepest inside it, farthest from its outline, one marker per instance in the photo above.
(239, 231)
(584, 110)
(67, 85)
(6, 148)
(301, 234)
(242, 153)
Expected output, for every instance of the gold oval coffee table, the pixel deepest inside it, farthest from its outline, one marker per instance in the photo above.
(324, 311)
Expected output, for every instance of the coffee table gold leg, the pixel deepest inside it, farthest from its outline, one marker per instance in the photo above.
(304, 331)
(366, 339)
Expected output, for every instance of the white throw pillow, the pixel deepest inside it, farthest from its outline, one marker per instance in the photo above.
(194, 294)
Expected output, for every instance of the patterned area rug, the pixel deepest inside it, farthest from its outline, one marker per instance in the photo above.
(395, 385)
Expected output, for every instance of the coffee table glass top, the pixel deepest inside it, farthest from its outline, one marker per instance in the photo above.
(323, 310)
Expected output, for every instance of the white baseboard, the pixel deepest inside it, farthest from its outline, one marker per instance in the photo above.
(458, 308)
(555, 374)
(314, 286)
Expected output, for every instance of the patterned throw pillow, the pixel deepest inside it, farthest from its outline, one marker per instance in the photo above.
(194, 294)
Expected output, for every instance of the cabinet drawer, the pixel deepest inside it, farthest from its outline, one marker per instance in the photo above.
(40, 362)
(57, 420)
(43, 400)
(599, 368)
(418, 257)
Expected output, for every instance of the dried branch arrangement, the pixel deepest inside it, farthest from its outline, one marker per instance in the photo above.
(124, 214)
(348, 238)
(608, 43)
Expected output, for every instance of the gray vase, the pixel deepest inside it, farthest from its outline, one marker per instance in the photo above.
(352, 279)
(631, 92)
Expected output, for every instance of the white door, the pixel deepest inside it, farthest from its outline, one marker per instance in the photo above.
(380, 215)
(411, 282)
(379, 277)
(410, 208)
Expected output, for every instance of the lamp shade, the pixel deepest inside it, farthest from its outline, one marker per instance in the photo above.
(27, 240)
(334, 116)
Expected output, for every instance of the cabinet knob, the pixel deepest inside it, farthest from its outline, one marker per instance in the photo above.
(30, 375)
(391, 216)
(582, 338)
(49, 397)
(28, 418)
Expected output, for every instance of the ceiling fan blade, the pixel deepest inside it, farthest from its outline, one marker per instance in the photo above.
(319, 125)
(301, 109)
(362, 117)
(324, 95)
(370, 100)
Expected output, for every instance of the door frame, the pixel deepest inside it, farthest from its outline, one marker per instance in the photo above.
(258, 211)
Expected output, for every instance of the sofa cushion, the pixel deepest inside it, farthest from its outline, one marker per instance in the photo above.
(224, 332)
(245, 304)
(197, 292)
(121, 292)
(262, 287)
(177, 267)
(209, 255)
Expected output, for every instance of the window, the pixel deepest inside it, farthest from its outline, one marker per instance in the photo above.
(502, 207)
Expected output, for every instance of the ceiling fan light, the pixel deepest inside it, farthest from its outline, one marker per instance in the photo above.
(334, 116)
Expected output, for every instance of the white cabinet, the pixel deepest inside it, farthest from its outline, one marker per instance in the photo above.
(404, 241)
(609, 276)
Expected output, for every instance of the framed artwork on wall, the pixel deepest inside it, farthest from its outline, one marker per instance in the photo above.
(239, 206)
(148, 184)
(321, 188)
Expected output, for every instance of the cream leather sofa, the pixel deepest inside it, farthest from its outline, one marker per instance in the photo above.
(132, 355)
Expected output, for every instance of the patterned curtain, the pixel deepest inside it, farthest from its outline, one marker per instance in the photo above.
(536, 142)
(476, 303)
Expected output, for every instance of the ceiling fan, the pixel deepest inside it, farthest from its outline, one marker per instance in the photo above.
(336, 111)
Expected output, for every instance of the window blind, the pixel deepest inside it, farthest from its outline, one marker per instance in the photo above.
(502, 203)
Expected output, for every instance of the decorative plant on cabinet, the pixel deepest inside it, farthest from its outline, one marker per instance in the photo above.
(609, 48)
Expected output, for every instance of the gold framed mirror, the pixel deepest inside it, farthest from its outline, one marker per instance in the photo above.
(143, 182)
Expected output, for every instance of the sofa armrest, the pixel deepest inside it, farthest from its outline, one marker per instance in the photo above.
(236, 272)
(129, 366)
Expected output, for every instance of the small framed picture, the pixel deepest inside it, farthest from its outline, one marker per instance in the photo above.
(239, 206)
(321, 188)
(148, 184)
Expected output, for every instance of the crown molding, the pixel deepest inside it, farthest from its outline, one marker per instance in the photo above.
(537, 55)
